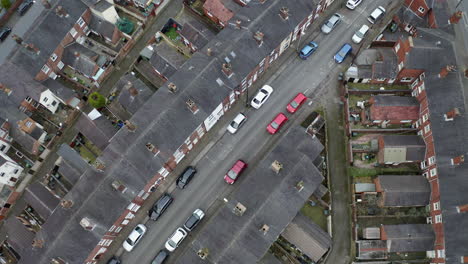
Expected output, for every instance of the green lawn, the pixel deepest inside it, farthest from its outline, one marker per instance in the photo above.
(376, 87)
(172, 33)
(362, 172)
(315, 213)
(86, 154)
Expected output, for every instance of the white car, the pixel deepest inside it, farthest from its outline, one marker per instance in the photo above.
(376, 14)
(261, 97)
(351, 4)
(236, 123)
(175, 239)
(360, 34)
(134, 237)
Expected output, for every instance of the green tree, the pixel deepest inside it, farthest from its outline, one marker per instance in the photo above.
(96, 100)
(5, 4)
(125, 25)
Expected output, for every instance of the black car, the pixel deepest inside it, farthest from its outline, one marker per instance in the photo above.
(194, 219)
(186, 177)
(4, 32)
(24, 6)
(160, 206)
(160, 257)
(114, 260)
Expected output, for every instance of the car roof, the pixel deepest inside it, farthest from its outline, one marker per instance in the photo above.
(178, 235)
(379, 10)
(163, 200)
(299, 96)
(238, 165)
(364, 28)
(280, 117)
(306, 49)
(239, 118)
(335, 17)
(346, 46)
(134, 235)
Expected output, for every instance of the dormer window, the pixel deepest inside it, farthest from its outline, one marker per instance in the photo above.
(421, 9)
(53, 57)
(81, 22)
(45, 69)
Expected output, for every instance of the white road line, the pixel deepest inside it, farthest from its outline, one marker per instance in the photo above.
(306, 91)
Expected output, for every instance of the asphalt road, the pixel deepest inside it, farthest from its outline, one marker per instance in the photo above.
(252, 141)
(19, 25)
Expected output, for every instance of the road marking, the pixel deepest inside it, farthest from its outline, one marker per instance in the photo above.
(306, 91)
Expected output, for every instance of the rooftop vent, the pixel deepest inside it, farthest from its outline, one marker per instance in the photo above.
(238, 24)
(227, 69)
(100, 166)
(264, 229)
(284, 13)
(192, 106)
(130, 126)
(258, 36)
(239, 210)
(152, 148)
(300, 186)
(450, 115)
(203, 253)
(458, 160)
(276, 166)
(87, 224)
(37, 243)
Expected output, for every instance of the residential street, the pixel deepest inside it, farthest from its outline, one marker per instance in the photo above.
(294, 75)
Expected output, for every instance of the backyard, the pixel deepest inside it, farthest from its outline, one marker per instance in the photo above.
(376, 87)
(373, 172)
(316, 213)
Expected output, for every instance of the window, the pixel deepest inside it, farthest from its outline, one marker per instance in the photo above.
(380, 79)
(15, 171)
(421, 9)
(425, 117)
(53, 57)
(73, 32)
(400, 66)
(406, 79)
(431, 160)
(19, 154)
(2, 147)
(28, 124)
(80, 22)
(397, 47)
(414, 83)
(46, 99)
(45, 69)
(54, 103)
(423, 165)
(425, 174)
(421, 88)
(420, 132)
(438, 219)
(433, 172)
(2, 174)
(427, 129)
(415, 93)
(436, 206)
(440, 252)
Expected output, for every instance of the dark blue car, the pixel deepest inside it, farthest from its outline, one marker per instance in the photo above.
(308, 50)
(340, 56)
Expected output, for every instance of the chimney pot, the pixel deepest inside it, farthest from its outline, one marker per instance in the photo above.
(227, 69)
(66, 204)
(458, 160)
(276, 166)
(192, 106)
(238, 24)
(131, 127)
(258, 36)
(172, 87)
(240, 209)
(284, 13)
(264, 229)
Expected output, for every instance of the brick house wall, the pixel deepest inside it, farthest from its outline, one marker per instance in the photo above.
(419, 7)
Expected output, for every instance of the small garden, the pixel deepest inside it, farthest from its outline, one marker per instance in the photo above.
(87, 150)
(405, 169)
(377, 87)
(288, 252)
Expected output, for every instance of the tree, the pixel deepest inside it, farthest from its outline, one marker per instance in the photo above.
(125, 25)
(5, 4)
(96, 100)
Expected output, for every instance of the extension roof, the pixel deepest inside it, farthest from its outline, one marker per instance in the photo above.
(404, 190)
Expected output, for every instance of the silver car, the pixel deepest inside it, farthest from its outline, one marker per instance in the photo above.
(331, 23)
(236, 123)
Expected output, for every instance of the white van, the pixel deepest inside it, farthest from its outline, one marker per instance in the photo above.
(376, 14)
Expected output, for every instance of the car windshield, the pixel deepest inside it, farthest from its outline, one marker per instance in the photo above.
(234, 124)
(359, 34)
(256, 101)
(264, 91)
(294, 104)
(172, 243)
(274, 125)
(191, 221)
(329, 24)
(232, 174)
(130, 242)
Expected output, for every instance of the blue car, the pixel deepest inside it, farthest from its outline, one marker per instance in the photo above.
(340, 56)
(308, 50)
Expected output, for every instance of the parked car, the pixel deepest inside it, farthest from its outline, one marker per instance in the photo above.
(236, 123)
(186, 177)
(114, 260)
(160, 206)
(276, 123)
(308, 50)
(24, 7)
(161, 257)
(340, 56)
(261, 97)
(175, 239)
(194, 219)
(376, 14)
(360, 34)
(352, 4)
(4, 32)
(331, 23)
(296, 103)
(233, 173)
(134, 237)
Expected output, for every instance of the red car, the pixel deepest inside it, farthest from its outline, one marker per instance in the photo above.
(232, 174)
(277, 123)
(296, 103)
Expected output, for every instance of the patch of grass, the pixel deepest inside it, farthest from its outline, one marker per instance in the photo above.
(198, 6)
(172, 33)
(376, 87)
(363, 172)
(86, 154)
(315, 213)
(377, 221)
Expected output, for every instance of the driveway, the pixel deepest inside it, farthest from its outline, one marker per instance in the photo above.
(252, 142)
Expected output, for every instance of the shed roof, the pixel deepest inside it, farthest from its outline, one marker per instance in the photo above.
(404, 190)
(41, 199)
(372, 249)
(364, 187)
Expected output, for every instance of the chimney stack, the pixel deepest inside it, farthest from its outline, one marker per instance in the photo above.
(203, 253)
(192, 106)
(449, 68)
(172, 87)
(464, 259)
(32, 48)
(17, 38)
(284, 13)
(276, 166)
(227, 69)
(262, 1)
(450, 115)
(131, 127)
(264, 229)
(77, 54)
(152, 148)
(455, 18)
(61, 12)
(5, 89)
(238, 24)
(462, 208)
(458, 160)
(258, 36)
(239, 210)
(66, 204)
(38, 243)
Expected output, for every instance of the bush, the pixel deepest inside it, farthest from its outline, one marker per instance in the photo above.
(96, 100)
(5, 4)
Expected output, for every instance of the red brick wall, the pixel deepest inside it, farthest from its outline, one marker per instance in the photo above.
(414, 5)
(380, 155)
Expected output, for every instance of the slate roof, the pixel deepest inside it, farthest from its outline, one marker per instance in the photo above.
(72, 158)
(226, 235)
(46, 34)
(166, 59)
(41, 199)
(72, 174)
(197, 33)
(102, 26)
(308, 236)
(390, 107)
(433, 50)
(21, 87)
(378, 62)
(101, 5)
(413, 146)
(59, 90)
(131, 102)
(404, 190)
(409, 237)
(80, 58)
(156, 122)
(99, 131)
(2, 159)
